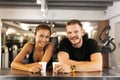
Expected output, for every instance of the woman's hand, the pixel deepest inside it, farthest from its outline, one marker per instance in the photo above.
(35, 68)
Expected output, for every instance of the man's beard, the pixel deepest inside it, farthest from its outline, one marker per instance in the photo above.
(75, 44)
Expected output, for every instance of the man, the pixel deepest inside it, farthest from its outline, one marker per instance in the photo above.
(76, 51)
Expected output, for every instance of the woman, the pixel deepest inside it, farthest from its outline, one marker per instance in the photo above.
(41, 51)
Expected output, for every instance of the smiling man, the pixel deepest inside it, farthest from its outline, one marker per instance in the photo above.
(77, 51)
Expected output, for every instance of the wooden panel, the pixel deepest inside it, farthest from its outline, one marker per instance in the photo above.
(101, 26)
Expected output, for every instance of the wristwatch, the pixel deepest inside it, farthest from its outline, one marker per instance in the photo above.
(73, 68)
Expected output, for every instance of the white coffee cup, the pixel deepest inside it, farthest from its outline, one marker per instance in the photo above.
(43, 64)
(55, 64)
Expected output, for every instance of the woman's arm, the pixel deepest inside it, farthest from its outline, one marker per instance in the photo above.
(48, 53)
(17, 62)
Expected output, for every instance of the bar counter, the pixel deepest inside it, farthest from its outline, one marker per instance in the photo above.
(106, 74)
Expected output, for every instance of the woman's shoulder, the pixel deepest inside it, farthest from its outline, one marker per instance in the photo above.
(29, 45)
(51, 44)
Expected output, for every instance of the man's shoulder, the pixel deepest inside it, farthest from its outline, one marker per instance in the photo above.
(65, 41)
(91, 40)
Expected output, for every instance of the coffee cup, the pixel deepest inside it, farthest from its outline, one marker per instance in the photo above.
(55, 64)
(43, 64)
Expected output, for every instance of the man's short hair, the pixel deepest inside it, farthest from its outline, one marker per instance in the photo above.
(74, 21)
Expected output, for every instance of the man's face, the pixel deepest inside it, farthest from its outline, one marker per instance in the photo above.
(74, 33)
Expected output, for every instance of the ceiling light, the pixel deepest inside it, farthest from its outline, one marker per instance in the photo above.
(38, 1)
(10, 31)
(44, 8)
(43, 5)
(24, 26)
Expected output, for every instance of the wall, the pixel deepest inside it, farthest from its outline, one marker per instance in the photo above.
(117, 42)
(113, 14)
(101, 26)
(0, 41)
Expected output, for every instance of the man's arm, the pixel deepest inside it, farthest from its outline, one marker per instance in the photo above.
(94, 65)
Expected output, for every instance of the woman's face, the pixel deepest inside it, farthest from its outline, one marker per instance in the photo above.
(42, 37)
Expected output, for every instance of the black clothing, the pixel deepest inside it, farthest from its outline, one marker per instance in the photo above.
(30, 57)
(31, 60)
(83, 53)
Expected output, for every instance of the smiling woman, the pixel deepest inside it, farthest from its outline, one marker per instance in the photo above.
(40, 51)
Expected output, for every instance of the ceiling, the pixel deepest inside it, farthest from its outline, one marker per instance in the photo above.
(59, 4)
(100, 5)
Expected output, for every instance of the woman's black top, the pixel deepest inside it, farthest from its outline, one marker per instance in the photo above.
(31, 60)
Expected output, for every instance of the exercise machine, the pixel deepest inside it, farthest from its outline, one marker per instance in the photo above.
(108, 46)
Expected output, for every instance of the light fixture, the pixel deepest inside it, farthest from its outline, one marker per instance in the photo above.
(38, 1)
(43, 5)
(44, 8)
(24, 26)
(10, 31)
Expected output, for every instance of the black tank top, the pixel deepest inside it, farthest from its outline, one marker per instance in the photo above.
(30, 57)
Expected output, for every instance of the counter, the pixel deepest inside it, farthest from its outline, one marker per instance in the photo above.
(106, 74)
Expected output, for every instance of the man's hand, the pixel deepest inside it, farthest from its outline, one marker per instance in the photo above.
(62, 68)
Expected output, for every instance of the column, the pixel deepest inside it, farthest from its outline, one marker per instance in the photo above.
(0, 41)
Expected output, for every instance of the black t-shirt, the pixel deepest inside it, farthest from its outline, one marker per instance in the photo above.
(79, 54)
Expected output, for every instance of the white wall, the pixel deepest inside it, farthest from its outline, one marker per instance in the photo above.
(117, 42)
(0, 41)
(113, 14)
(113, 11)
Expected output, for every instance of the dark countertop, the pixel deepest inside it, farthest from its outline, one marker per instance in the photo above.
(106, 74)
